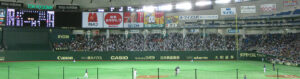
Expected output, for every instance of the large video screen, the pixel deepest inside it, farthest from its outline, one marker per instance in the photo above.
(68, 19)
(29, 18)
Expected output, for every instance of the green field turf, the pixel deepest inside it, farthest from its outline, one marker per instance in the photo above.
(123, 69)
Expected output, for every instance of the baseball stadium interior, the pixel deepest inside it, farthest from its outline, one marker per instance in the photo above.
(149, 39)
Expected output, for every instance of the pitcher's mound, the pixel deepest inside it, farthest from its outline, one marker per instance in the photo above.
(284, 76)
(152, 76)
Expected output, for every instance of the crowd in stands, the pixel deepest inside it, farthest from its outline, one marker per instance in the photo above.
(150, 42)
(285, 47)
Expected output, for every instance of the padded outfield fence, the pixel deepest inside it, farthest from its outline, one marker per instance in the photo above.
(128, 55)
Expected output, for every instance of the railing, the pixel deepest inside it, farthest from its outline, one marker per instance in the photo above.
(74, 72)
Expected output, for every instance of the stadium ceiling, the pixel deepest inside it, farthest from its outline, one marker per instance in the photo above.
(98, 3)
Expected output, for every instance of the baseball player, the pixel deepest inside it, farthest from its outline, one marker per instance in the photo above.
(177, 70)
(273, 66)
(134, 74)
(86, 74)
(264, 68)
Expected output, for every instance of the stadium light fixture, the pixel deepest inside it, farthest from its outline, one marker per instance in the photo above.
(184, 6)
(167, 7)
(149, 8)
(203, 3)
(222, 1)
(100, 10)
(121, 9)
(129, 8)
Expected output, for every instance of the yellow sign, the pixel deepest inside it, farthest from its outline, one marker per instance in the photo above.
(2, 58)
(63, 36)
(247, 54)
(200, 58)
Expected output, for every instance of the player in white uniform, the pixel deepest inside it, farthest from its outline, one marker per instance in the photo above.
(264, 68)
(134, 74)
(177, 70)
(86, 74)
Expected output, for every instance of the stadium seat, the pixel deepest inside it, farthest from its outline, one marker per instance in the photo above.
(248, 23)
(255, 22)
(297, 11)
(284, 13)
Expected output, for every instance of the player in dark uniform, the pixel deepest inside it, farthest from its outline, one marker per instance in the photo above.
(177, 69)
(273, 66)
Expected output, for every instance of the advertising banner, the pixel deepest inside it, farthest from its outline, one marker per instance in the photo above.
(172, 21)
(198, 17)
(155, 19)
(133, 19)
(268, 7)
(228, 11)
(2, 17)
(113, 20)
(248, 9)
(289, 3)
(92, 20)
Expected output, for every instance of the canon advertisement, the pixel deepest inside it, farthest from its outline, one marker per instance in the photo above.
(113, 20)
(92, 20)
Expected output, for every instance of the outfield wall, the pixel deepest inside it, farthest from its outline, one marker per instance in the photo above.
(145, 55)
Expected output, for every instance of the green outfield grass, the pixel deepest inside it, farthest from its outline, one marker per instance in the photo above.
(123, 69)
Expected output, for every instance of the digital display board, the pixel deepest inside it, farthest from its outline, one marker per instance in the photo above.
(2, 17)
(29, 18)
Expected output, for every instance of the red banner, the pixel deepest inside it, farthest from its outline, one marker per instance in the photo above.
(113, 20)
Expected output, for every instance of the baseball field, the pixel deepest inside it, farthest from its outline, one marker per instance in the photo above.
(145, 70)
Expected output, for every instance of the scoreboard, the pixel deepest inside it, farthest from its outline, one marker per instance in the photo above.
(29, 18)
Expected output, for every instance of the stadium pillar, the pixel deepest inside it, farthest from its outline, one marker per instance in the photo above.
(236, 36)
(195, 73)
(8, 72)
(158, 73)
